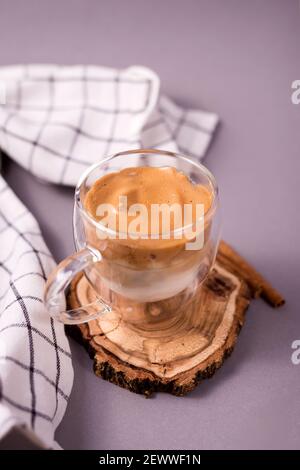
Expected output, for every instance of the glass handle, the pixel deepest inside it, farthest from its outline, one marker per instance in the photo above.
(58, 283)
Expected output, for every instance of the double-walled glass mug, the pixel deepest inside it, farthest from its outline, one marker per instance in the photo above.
(150, 284)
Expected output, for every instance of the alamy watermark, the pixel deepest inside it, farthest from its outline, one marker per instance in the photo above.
(295, 357)
(2, 351)
(295, 96)
(155, 221)
(2, 93)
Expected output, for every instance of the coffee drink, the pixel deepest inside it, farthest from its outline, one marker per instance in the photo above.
(139, 252)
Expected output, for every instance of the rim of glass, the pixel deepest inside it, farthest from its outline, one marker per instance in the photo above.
(180, 156)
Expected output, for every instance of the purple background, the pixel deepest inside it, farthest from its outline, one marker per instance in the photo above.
(237, 58)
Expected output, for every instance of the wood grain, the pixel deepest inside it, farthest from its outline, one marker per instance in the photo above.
(182, 343)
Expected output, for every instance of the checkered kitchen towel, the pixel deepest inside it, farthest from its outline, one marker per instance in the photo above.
(56, 121)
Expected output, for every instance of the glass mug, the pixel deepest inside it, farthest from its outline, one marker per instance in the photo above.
(147, 290)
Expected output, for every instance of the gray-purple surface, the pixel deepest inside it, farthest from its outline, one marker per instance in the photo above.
(237, 58)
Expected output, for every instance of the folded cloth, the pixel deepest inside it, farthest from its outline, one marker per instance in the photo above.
(56, 121)
(35, 362)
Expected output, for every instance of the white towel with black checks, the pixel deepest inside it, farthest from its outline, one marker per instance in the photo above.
(56, 121)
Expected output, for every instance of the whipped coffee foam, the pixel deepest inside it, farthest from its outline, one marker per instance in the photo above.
(147, 269)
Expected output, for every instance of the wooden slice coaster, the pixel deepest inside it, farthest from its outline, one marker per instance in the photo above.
(175, 352)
